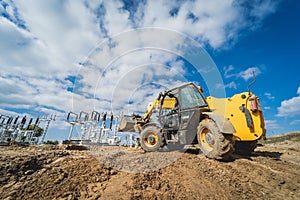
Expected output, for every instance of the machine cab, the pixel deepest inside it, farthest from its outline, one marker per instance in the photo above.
(179, 113)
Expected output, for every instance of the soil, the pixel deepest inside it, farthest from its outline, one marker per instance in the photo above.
(106, 172)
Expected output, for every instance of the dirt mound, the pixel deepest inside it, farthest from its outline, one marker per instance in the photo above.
(52, 172)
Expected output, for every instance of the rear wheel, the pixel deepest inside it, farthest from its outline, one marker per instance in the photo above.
(213, 143)
(151, 138)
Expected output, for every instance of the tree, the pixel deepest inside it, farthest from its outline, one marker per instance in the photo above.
(51, 142)
(23, 138)
(38, 131)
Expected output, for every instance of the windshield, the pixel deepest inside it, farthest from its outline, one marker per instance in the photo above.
(190, 97)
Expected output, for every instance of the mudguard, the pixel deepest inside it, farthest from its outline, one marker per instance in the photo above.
(223, 123)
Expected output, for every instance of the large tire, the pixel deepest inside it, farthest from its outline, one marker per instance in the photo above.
(245, 148)
(151, 138)
(213, 143)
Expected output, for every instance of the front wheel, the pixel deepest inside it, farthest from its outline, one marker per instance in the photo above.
(213, 143)
(151, 138)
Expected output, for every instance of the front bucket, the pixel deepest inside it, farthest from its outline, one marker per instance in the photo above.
(128, 122)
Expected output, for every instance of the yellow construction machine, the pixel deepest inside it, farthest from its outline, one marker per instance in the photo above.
(184, 116)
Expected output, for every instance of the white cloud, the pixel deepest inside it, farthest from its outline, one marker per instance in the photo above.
(19, 50)
(290, 107)
(8, 113)
(231, 85)
(209, 19)
(271, 124)
(17, 91)
(232, 72)
(269, 96)
(295, 122)
(228, 71)
(136, 77)
(36, 59)
(248, 73)
(42, 43)
(116, 19)
(260, 11)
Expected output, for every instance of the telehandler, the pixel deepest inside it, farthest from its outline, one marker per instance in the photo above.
(184, 116)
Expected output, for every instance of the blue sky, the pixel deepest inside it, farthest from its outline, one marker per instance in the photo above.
(274, 49)
(60, 56)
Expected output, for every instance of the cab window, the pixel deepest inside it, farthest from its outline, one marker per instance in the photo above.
(190, 97)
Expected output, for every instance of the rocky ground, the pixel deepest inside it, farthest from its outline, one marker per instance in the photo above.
(52, 172)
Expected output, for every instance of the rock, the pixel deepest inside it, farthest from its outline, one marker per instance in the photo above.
(282, 182)
(29, 172)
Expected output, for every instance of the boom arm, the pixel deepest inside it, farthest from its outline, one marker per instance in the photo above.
(168, 103)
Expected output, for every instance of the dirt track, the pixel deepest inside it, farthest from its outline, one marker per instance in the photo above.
(50, 172)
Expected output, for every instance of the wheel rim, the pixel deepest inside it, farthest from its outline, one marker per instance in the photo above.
(207, 140)
(151, 140)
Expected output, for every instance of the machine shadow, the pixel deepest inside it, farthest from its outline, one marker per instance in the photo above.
(195, 150)
(181, 149)
(267, 154)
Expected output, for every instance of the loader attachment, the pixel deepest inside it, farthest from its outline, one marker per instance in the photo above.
(128, 121)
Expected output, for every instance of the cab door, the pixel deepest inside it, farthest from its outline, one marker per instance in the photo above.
(191, 101)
